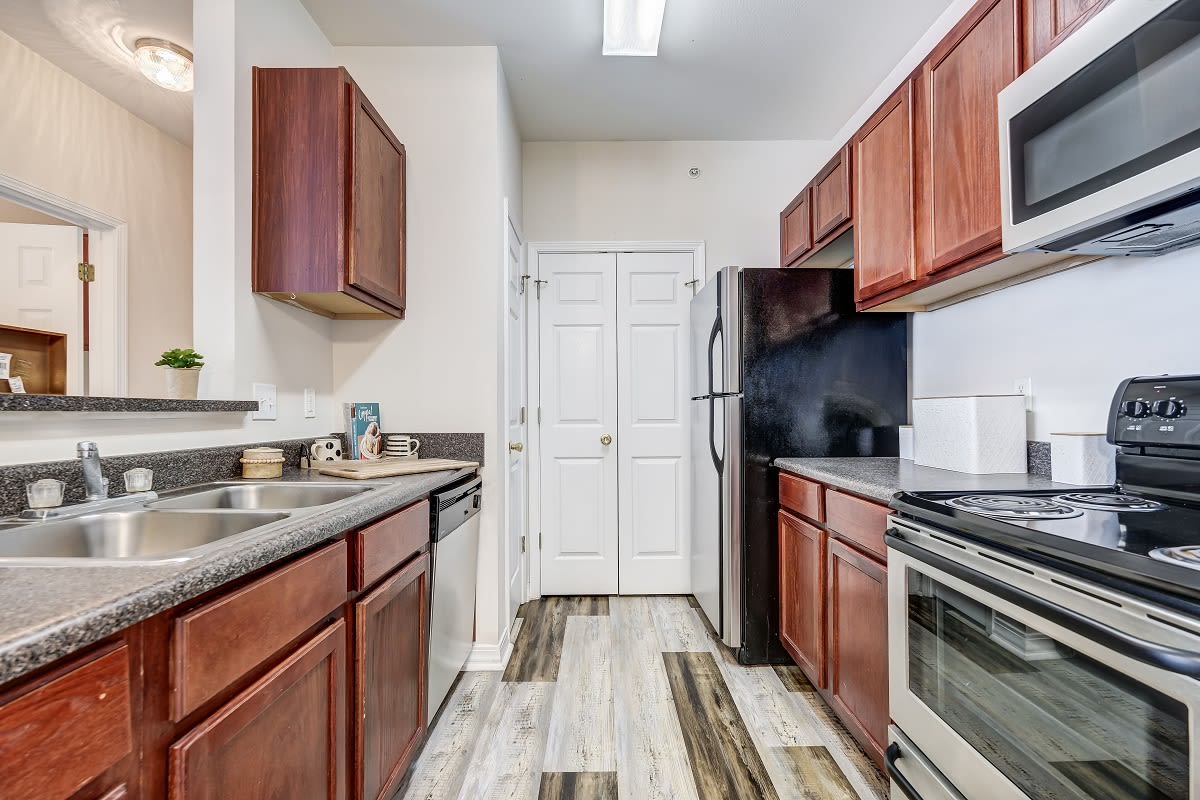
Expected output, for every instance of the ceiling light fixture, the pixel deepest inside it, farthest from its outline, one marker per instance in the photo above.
(165, 63)
(632, 27)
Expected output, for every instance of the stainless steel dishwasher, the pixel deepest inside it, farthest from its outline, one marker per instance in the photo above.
(455, 543)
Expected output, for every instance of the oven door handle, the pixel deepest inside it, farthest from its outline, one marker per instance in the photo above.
(890, 757)
(1171, 659)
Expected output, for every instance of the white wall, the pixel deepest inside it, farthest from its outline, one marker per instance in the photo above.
(62, 136)
(1077, 334)
(641, 191)
(437, 369)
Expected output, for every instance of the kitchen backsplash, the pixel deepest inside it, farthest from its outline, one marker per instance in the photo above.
(176, 468)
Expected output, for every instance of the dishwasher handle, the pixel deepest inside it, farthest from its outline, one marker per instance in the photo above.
(448, 517)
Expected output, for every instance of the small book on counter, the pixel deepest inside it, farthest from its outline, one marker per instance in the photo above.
(363, 431)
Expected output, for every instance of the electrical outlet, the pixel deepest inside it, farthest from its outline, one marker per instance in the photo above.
(310, 403)
(1024, 386)
(268, 408)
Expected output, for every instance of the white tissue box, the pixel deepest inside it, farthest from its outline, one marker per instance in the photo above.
(980, 435)
(1084, 459)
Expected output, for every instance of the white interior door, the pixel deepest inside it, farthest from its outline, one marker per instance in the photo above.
(40, 287)
(578, 376)
(653, 446)
(516, 397)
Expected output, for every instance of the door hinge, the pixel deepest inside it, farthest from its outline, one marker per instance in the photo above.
(539, 285)
(522, 420)
(522, 544)
(524, 280)
(539, 540)
(87, 272)
(539, 415)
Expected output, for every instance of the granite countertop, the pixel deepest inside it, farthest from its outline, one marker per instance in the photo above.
(130, 405)
(47, 612)
(880, 478)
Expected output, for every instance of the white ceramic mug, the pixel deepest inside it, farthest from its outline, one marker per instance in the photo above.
(402, 446)
(328, 448)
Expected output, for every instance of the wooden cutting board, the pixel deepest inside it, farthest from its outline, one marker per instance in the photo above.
(391, 467)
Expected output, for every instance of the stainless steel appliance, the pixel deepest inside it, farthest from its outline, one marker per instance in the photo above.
(455, 542)
(1100, 140)
(782, 366)
(1047, 644)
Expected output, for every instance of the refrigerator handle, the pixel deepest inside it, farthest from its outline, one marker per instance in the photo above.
(717, 460)
(712, 338)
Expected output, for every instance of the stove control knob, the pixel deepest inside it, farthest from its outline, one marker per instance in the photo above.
(1169, 409)
(1137, 409)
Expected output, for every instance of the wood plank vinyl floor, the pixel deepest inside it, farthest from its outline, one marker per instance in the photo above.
(633, 697)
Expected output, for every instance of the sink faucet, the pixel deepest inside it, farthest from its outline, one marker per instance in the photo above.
(95, 486)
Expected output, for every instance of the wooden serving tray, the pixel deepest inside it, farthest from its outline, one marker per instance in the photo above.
(390, 467)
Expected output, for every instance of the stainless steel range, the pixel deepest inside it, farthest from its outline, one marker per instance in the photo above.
(1047, 644)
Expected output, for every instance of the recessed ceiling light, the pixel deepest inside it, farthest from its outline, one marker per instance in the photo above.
(632, 27)
(165, 63)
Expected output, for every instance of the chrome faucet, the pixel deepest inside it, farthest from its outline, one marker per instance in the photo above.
(95, 485)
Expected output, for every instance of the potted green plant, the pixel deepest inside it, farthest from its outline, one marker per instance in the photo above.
(183, 372)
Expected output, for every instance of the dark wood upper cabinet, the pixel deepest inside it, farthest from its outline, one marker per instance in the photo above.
(858, 645)
(802, 595)
(831, 202)
(284, 736)
(882, 162)
(390, 687)
(957, 145)
(328, 197)
(1049, 22)
(795, 229)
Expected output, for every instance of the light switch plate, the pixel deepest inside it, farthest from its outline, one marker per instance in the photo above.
(310, 403)
(268, 408)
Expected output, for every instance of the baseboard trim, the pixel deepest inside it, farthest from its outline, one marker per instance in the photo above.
(490, 657)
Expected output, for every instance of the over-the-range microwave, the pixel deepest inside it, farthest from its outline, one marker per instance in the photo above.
(1100, 140)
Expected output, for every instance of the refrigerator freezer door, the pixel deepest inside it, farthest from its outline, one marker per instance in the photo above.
(716, 331)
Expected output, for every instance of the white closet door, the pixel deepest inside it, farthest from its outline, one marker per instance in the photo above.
(516, 397)
(653, 446)
(579, 409)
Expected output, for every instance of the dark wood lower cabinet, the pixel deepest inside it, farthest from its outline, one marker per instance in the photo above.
(389, 690)
(285, 736)
(858, 646)
(802, 595)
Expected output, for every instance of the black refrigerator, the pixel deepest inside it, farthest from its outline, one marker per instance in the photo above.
(782, 365)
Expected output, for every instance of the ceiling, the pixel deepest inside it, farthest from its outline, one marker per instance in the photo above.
(93, 39)
(726, 69)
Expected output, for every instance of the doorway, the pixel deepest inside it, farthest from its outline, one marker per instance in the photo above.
(612, 495)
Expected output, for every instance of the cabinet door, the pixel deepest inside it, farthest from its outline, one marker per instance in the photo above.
(858, 657)
(1049, 22)
(389, 694)
(285, 736)
(958, 149)
(376, 235)
(802, 595)
(883, 198)
(795, 229)
(831, 195)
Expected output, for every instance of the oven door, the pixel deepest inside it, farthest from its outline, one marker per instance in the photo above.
(1016, 684)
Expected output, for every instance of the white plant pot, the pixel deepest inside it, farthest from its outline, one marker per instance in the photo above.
(182, 384)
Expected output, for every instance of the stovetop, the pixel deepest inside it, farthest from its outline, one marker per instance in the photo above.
(1151, 543)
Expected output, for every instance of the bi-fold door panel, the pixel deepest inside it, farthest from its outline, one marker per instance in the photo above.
(578, 402)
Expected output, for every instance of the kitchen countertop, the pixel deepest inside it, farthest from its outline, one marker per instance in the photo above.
(880, 478)
(47, 612)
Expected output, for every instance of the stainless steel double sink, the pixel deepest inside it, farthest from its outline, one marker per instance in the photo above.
(178, 526)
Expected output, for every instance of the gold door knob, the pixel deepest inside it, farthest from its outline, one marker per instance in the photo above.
(606, 440)
(516, 447)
